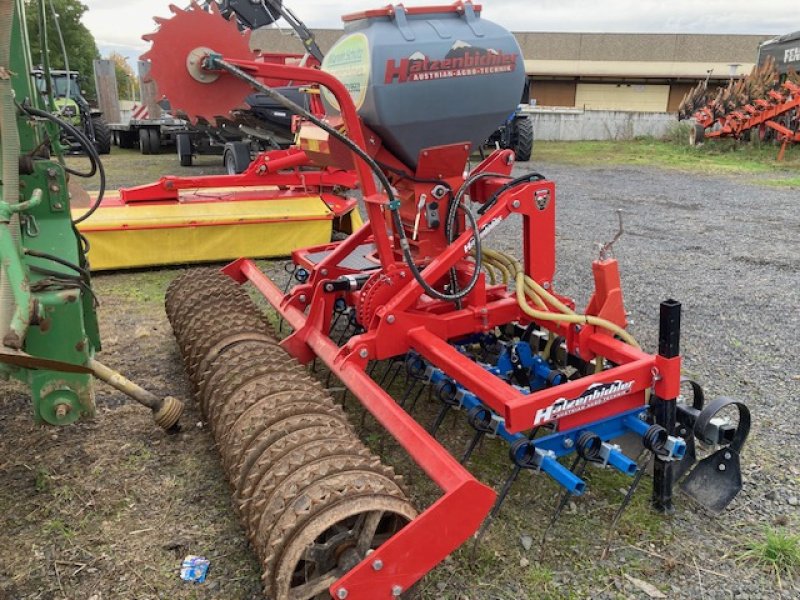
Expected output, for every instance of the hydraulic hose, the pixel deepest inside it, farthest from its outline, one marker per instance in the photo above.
(91, 152)
(528, 289)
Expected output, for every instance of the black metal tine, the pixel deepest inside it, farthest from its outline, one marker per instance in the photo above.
(328, 379)
(439, 419)
(371, 368)
(578, 466)
(344, 333)
(407, 392)
(501, 497)
(473, 444)
(419, 393)
(334, 323)
(628, 497)
(394, 376)
(314, 365)
(286, 291)
(390, 365)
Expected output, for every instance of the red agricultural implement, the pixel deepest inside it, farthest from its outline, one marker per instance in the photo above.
(268, 210)
(757, 106)
(415, 292)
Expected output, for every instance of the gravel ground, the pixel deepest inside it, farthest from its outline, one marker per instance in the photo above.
(730, 253)
(106, 509)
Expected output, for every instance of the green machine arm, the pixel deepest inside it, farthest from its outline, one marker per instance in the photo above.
(48, 322)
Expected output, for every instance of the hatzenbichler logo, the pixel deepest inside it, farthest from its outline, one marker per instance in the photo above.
(594, 395)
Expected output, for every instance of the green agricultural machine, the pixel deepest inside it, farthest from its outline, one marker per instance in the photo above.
(48, 320)
(72, 106)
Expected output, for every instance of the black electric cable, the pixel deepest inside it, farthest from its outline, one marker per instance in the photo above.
(88, 146)
(533, 176)
(59, 260)
(215, 62)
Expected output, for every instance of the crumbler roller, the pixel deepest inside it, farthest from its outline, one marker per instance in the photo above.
(313, 499)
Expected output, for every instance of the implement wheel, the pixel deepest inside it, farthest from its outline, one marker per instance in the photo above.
(697, 135)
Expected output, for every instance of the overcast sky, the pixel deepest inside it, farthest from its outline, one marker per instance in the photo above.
(119, 25)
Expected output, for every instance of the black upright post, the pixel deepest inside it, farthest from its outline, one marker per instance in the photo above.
(664, 409)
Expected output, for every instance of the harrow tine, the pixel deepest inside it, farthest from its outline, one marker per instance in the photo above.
(628, 497)
(407, 393)
(578, 466)
(473, 444)
(371, 368)
(481, 421)
(439, 420)
(417, 397)
(394, 363)
(286, 290)
(501, 497)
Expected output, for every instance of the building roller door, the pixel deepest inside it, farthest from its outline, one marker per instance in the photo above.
(632, 97)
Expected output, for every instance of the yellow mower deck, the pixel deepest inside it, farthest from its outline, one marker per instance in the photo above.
(213, 224)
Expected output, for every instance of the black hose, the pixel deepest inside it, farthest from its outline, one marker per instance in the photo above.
(393, 204)
(56, 259)
(513, 183)
(91, 151)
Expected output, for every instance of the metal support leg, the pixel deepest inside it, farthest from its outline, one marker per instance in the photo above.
(665, 409)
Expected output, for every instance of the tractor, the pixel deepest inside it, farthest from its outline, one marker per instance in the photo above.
(73, 107)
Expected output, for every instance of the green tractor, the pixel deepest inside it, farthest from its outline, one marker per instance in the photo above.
(74, 108)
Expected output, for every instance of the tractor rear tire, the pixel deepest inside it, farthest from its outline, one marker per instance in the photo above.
(102, 135)
(697, 134)
(522, 138)
(183, 142)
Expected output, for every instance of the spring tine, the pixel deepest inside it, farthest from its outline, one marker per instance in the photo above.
(627, 500)
(343, 336)
(314, 365)
(473, 443)
(286, 291)
(394, 376)
(328, 379)
(439, 419)
(501, 497)
(416, 397)
(334, 323)
(407, 393)
(578, 466)
(391, 365)
(371, 368)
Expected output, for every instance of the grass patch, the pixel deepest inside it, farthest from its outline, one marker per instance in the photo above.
(715, 156)
(788, 182)
(778, 552)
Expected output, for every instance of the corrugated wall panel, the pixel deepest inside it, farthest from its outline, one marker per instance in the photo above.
(632, 97)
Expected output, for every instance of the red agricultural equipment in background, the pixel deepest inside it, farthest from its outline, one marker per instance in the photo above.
(408, 94)
(763, 105)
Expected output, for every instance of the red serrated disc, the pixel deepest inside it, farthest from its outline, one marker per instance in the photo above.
(176, 45)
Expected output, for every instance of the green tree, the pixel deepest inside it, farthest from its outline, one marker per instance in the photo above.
(127, 82)
(80, 45)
